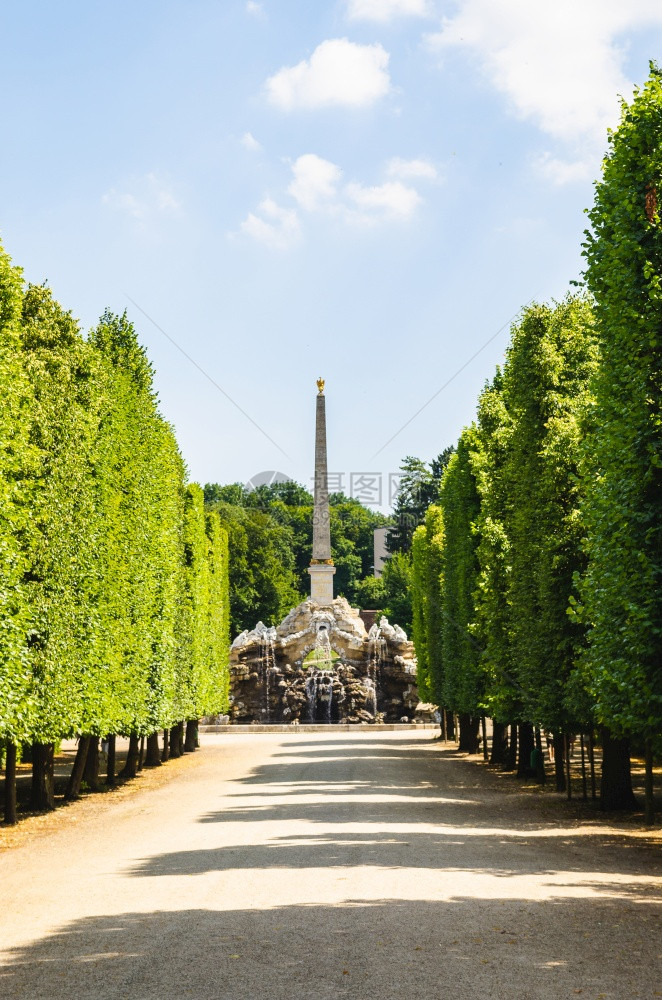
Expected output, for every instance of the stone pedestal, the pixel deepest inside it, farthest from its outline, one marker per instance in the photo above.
(321, 584)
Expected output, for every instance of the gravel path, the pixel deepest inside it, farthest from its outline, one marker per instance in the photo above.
(331, 865)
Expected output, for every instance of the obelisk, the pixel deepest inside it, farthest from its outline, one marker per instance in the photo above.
(321, 567)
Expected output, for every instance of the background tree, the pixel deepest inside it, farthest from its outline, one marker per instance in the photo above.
(419, 487)
(396, 580)
(270, 538)
(263, 581)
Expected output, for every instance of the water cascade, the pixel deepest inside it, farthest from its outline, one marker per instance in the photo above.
(376, 644)
(267, 662)
(311, 694)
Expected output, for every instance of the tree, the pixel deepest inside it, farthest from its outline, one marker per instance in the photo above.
(434, 611)
(61, 581)
(419, 487)
(218, 620)
(489, 457)
(463, 680)
(396, 581)
(370, 593)
(549, 364)
(621, 592)
(263, 582)
(420, 599)
(283, 581)
(17, 464)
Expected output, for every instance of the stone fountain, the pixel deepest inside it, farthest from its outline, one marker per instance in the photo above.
(321, 664)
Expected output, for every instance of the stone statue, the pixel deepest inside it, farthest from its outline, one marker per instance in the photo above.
(320, 385)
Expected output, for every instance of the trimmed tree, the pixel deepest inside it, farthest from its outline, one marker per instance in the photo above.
(622, 589)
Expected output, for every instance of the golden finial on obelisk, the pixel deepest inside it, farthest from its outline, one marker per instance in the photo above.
(320, 386)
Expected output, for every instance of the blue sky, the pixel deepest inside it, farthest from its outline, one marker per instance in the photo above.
(368, 190)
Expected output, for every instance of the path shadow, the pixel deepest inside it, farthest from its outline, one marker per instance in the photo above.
(501, 854)
(464, 949)
(415, 782)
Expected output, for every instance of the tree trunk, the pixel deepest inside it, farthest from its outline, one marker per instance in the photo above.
(141, 753)
(616, 779)
(524, 747)
(483, 732)
(42, 793)
(177, 740)
(583, 752)
(559, 761)
(591, 761)
(130, 769)
(10, 784)
(110, 763)
(541, 775)
(72, 790)
(91, 773)
(648, 785)
(499, 742)
(510, 761)
(153, 755)
(191, 742)
(166, 746)
(568, 778)
(468, 733)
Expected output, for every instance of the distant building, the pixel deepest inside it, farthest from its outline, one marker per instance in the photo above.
(381, 554)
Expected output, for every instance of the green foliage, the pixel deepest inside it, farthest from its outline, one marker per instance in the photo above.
(217, 653)
(396, 581)
(621, 592)
(525, 458)
(17, 465)
(263, 582)
(493, 620)
(370, 593)
(270, 533)
(420, 600)
(549, 364)
(114, 584)
(140, 549)
(419, 487)
(434, 564)
(204, 675)
(61, 580)
(463, 681)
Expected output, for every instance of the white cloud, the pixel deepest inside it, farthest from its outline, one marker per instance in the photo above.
(384, 11)
(315, 181)
(559, 64)
(254, 8)
(317, 188)
(390, 200)
(560, 171)
(249, 141)
(339, 72)
(275, 226)
(149, 197)
(411, 169)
